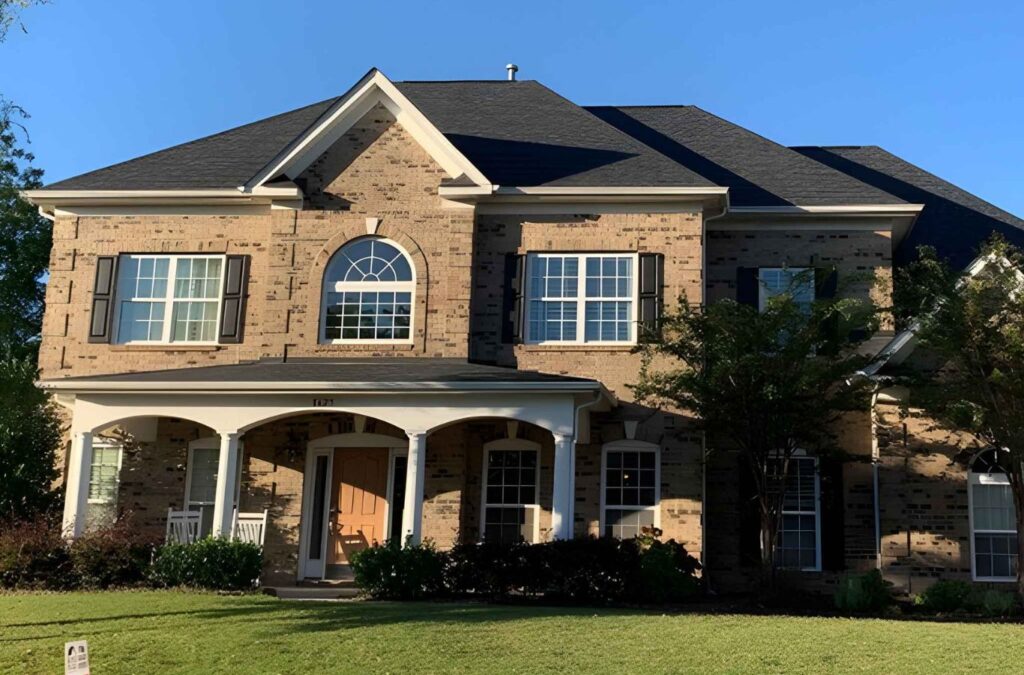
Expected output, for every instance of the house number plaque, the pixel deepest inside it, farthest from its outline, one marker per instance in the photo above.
(323, 402)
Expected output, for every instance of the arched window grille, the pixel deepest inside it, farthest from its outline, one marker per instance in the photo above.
(368, 293)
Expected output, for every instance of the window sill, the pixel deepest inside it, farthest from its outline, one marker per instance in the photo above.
(165, 348)
(574, 348)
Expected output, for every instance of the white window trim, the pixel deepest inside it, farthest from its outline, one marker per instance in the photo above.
(209, 443)
(371, 286)
(762, 299)
(630, 446)
(168, 300)
(801, 454)
(511, 444)
(117, 478)
(976, 478)
(581, 298)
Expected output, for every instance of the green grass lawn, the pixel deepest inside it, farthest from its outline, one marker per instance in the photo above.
(162, 632)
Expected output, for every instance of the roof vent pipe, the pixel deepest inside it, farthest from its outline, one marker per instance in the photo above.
(512, 70)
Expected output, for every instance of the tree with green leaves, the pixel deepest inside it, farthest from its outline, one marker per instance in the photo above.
(765, 383)
(972, 323)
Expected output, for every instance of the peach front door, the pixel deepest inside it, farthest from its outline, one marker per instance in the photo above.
(358, 501)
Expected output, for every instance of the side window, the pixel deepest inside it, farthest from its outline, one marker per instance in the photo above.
(510, 507)
(165, 299)
(368, 294)
(992, 519)
(201, 480)
(800, 530)
(589, 298)
(630, 488)
(798, 281)
(104, 479)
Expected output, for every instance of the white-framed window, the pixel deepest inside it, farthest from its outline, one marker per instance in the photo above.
(799, 543)
(164, 299)
(588, 298)
(368, 293)
(104, 480)
(992, 519)
(798, 281)
(201, 480)
(510, 504)
(630, 488)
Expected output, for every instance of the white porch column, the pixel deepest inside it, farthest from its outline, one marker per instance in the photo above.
(412, 513)
(76, 491)
(562, 494)
(224, 498)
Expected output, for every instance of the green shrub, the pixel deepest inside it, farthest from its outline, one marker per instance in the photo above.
(991, 602)
(863, 593)
(586, 570)
(211, 563)
(113, 556)
(393, 572)
(667, 573)
(945, 596)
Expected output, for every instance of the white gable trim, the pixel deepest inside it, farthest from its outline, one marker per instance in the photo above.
(373, 89)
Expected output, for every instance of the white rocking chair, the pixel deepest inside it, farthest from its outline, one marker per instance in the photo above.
(250, 527)
(182, 526)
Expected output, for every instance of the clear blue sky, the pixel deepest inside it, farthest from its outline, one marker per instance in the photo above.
(939, 83)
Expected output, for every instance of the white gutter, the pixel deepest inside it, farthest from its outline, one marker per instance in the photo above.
(834, 209)
(199, 387)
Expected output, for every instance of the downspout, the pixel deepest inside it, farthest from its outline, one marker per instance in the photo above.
(875, 460)
(598, 395)
(703, 436)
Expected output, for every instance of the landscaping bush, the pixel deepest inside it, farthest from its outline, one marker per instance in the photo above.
(112, 556)
(863, 593)
(587, 571)
(991, 602)
(34, 556)
(945, 596)
(391, 572)
(211, 563)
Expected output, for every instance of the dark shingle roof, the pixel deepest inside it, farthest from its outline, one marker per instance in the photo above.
(757, 171)
(382, 371)
(224, 160)
(954, 221)
(523, 134)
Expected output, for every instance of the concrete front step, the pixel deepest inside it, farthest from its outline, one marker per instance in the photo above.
(319, 592)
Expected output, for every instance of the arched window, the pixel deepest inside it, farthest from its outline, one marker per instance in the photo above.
(368, 293)
(992, 518)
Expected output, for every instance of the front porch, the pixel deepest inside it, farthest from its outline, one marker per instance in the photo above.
(473, 452)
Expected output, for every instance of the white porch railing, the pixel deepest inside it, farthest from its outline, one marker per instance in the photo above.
(182, 526)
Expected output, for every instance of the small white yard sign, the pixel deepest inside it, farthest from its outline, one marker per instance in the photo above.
(76, 658)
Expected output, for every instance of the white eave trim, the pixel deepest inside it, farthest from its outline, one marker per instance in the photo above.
(99, 386)
(833, 209)
(51, 199)
(373, 88)
(647, 194)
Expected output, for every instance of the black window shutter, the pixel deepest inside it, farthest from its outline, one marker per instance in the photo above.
(826, 282)
(652, 295)
(747, 287)
(103, 289)
(833, 544)
(749, 531)
(236, 280)
(512, 298)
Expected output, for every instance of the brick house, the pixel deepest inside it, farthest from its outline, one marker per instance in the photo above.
(409, 311)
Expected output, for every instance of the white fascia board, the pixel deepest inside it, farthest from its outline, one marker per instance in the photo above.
(51, 200)
(374, 88)
(97, 386)
(832, 209)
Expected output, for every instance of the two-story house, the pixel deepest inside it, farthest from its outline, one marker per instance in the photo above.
(410, 311)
